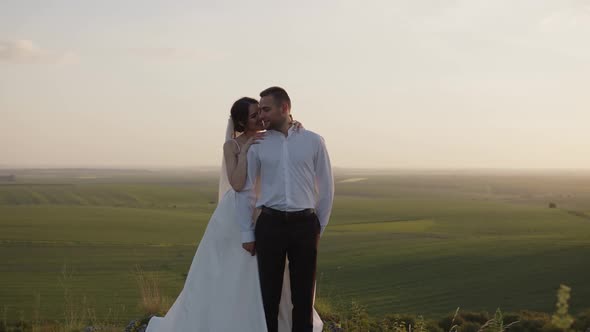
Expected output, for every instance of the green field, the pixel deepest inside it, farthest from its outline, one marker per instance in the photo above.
(398, 241)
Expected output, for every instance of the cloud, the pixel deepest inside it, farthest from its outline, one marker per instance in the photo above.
(24, 51)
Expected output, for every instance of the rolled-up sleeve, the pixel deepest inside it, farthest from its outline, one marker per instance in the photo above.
(246, 198)
(324, 184)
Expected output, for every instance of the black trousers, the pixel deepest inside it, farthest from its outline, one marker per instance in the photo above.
(294, 236)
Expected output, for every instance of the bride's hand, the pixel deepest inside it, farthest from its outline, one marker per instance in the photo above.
(254, 140)
(250, 247)
(298, 125)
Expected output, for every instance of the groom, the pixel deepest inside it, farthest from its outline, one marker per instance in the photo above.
(291, 170)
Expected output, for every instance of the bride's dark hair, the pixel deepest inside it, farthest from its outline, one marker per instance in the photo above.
(240, 111)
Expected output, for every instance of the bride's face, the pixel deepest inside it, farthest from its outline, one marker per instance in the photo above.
(254, 121)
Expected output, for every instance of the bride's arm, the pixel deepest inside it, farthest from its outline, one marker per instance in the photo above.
(236, 160)
(236, 163)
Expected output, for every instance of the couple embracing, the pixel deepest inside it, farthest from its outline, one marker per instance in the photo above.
(255, 267)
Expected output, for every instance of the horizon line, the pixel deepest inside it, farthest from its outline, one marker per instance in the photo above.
(216, 167)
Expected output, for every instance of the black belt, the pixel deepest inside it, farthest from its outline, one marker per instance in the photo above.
(279, 213)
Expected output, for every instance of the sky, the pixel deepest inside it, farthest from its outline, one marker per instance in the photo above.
(388, 84)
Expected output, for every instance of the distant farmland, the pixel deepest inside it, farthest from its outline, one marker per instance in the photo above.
(398, 242)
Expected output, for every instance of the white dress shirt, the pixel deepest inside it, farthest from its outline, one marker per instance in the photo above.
(293, 173)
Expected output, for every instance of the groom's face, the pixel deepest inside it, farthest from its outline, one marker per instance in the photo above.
(272, 113)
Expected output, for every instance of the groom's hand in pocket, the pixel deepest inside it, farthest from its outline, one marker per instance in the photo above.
(250, 247)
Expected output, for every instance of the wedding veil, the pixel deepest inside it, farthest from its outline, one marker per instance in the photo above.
(224, 185)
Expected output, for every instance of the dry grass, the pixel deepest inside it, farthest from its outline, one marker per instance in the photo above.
(74, 312)
(152, 301)
(77, 313)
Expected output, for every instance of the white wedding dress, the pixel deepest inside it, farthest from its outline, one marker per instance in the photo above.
(222, 289)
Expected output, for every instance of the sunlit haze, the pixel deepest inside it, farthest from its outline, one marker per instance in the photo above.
(388, 84)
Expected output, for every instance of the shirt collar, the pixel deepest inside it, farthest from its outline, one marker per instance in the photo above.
(290, 131)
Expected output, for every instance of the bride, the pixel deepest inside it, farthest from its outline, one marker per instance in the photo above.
(222, 288)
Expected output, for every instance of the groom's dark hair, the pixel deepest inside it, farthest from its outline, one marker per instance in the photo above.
(279, 94)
